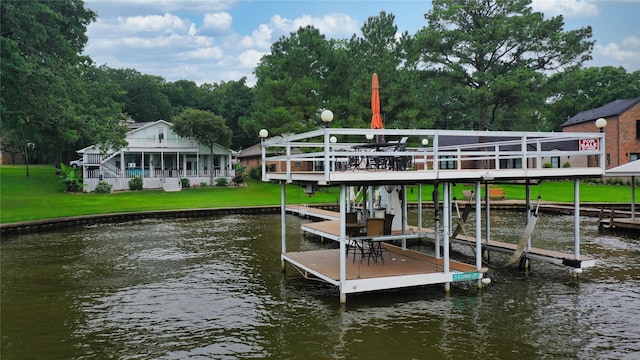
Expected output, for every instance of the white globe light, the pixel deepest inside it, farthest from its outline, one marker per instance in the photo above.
(326, 116)
(425, 142)
(263, 133)
(333, 139)
(601, 123)
(369, 136)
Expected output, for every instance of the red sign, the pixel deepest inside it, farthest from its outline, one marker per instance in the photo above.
(589, 144)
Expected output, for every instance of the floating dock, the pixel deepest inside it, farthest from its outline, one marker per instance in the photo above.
(344, 159)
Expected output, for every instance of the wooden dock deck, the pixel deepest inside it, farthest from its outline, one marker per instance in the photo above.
(622, 223)
(618, 220)
(330, 229)
(401, 268)
(304, 210)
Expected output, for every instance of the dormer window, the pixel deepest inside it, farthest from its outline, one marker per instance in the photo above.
(162, 133)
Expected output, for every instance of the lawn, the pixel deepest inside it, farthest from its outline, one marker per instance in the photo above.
(41, 196)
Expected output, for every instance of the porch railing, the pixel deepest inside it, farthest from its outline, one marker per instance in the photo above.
(158, 173)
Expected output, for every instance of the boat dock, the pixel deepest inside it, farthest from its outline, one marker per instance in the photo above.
(623, 220)
(380, 170)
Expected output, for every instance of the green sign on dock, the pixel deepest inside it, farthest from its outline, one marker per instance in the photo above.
(466, 276)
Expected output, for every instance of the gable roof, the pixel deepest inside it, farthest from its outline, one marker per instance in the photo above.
(255, 150)
(614, 108)
(143, 125)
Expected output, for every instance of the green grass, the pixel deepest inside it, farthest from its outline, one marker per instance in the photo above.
(563, 191)
(41, 196)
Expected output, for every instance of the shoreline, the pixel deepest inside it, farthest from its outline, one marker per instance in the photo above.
(33, 226)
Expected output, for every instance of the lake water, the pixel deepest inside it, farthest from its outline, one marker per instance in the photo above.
(212, 288)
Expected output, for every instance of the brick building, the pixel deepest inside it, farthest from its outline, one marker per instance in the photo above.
(622, 133)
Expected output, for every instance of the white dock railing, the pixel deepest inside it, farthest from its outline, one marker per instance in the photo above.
(329, 150)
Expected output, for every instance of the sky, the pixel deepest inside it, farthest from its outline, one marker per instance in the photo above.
(214, 41)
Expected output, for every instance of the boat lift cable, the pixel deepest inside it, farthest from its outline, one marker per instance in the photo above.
(524, 239)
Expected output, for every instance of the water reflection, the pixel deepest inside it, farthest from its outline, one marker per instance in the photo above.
(213, 288)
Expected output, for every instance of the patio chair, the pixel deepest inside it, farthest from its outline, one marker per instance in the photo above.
(353, 244)
(388, 222)
(375, 227)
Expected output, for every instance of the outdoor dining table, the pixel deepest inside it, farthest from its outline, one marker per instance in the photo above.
(372, 161)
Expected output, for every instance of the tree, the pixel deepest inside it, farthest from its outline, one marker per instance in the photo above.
(498, 49)
(103, 118)
(184, 94)
(41, 69)
(206, 127)
(381, 50)
(578, 90)
(289, 90)
(234, 100)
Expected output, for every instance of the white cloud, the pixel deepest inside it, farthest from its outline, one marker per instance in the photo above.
(202, 53)
(166, 23)
(110, 8)
(332, 25)
(567, 8)
(627, 53)
(260, 38)
(217, 22)
(250, 58)
(174, 47)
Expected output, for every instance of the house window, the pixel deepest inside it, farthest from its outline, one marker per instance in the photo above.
(637, 129)
(634, 156)
(511, 164)
(555, 162)
(447, 165)
(608, 159)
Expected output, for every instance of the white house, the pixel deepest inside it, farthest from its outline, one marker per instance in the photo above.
(157, 155)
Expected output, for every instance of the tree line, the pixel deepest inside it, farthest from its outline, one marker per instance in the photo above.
(476, 64)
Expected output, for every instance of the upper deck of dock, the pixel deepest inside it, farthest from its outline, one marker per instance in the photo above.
(344, 156)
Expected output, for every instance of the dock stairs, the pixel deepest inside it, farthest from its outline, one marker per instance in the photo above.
(172, 184)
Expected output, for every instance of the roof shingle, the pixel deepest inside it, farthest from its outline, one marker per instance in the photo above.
(613, 108)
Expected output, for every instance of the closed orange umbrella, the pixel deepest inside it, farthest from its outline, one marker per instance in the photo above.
(376, 119)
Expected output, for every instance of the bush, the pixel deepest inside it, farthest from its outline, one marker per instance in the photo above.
(135, 183)
(185, 183)
(71, 178)
(222, 182)
(547, 165)
(238, 180)
(255, 173)
(103, 187)
(566, 165)
(203, 184)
